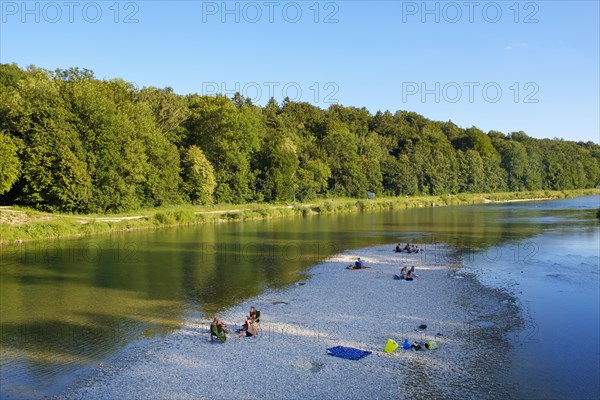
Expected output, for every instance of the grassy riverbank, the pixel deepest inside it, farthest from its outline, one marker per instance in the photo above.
(21, 224)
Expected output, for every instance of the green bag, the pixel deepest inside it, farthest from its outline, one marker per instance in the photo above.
(431, 345)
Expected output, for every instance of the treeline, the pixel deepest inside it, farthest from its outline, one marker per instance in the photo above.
(71, 142)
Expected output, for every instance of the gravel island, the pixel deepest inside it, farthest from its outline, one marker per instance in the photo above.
(334, 306)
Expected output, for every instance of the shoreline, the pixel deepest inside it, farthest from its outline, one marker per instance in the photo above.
(332, 307)
(487, 201)
(20, 226)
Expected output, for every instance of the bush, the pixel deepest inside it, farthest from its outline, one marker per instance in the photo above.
(165, 218)
(361, 206)
(262, 212)
(233, 216)
(185, 217)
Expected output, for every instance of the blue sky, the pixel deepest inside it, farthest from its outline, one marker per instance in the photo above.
(507, 66)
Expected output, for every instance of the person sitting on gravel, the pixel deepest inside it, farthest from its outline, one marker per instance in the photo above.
(254, 315)
(410, 275)
(251, 323)
(250, 328)
(403, 272)
(218, 329)
(407, 274)
(358, 264)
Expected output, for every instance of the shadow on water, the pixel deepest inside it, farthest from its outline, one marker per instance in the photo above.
(41, 357)
(67, 305)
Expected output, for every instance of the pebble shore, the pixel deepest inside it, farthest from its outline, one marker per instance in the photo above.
(334, 306)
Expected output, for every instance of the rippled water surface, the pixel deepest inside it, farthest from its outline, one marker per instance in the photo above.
(67, 306)
(555, 276)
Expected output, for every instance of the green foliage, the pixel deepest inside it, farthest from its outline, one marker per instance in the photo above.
(199, 177)
(515, 162)
(163, 218)
(399, 177)
(89, 145)
(228, 135)
(311, 179)
(9, 163)
(44, 226)
(434, 162)
(176, 217)
(169, 111)
(277, 161)
(71, 142)
(348, 177)
(471, 172)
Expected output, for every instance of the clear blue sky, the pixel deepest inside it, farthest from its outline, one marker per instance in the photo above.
(508, 66)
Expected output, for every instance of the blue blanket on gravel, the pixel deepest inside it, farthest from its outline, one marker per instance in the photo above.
(348, 352)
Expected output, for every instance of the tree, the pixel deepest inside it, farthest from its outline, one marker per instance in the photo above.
(10, 75)
(434, 162)
(399, 178)
(199, 176)
(228, 136)
(9, 163)
(312, 179)
(277, 160)
(54, 172)
(347, 174)
(169, 111)
(313, 173)
(71, 142)
(471, 174)
(534, 176)
(373, 149)
(515, 162)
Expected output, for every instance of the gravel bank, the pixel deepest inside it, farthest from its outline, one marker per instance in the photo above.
(334, 306)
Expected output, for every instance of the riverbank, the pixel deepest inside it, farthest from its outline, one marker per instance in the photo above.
(332, 307)
(18, 225)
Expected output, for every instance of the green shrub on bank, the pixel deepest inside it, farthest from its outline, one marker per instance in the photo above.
(163, 218)
(50, 226)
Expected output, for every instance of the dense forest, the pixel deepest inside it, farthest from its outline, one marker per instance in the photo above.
(73, 143)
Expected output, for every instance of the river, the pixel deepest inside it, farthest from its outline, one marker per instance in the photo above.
(66, 306)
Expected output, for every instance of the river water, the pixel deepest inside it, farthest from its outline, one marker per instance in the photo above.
(66, 306)
(556, 279)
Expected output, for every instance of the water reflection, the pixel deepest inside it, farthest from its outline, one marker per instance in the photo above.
(68, 305)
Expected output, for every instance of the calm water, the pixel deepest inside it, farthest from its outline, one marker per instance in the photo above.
(555, 276)
(66, 306)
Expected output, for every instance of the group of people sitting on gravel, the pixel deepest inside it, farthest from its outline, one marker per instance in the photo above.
(406, 274)
(409, 248)
(219, 329)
